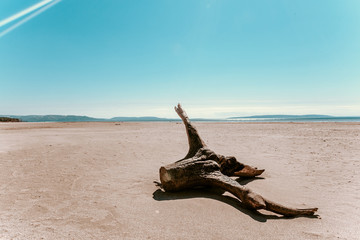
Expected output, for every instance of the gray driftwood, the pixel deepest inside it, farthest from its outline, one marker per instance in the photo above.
(203, 167)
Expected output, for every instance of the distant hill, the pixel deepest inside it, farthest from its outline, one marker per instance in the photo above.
(9, 119)
(294, 118)
(139, 119)
(74, 118)
(57, 118)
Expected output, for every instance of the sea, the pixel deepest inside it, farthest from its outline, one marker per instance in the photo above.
(293, 119)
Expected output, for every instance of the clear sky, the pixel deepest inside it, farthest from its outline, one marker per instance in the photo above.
(218, 58)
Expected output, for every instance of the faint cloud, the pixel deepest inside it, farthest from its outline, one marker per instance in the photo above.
(210, 3)
(177, 49)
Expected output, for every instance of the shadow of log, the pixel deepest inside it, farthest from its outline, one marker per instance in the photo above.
(245, 180)
(216, 194)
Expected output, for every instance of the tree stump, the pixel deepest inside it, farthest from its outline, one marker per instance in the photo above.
(203, 167)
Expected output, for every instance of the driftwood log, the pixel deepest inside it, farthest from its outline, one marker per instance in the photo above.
(203, 167)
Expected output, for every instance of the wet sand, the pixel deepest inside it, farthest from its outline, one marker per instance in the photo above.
(96, 181)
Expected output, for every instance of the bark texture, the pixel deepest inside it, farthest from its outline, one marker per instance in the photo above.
(203, 167)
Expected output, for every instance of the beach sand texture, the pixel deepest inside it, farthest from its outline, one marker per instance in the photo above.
(95, 181)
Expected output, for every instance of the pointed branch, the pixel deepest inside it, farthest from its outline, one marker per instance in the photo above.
(194, 139)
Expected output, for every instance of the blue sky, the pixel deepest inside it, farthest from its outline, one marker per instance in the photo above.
(218, 58)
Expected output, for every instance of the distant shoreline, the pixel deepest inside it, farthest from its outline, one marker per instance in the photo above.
(201, 121)
(259, 118)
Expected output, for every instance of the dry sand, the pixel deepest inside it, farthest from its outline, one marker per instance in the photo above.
(95, 181)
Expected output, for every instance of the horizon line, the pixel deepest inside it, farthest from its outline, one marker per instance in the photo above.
(153, 116)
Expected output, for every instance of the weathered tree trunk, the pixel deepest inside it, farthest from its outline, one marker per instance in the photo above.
(203, 167)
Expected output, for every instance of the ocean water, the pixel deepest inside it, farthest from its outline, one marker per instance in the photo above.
(296, 119)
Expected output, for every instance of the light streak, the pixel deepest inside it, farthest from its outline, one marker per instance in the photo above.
(39, 7)
(24, 12)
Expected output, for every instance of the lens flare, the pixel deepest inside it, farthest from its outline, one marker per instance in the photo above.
(38, 8)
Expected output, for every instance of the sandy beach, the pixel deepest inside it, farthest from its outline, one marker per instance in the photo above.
(96, 181)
